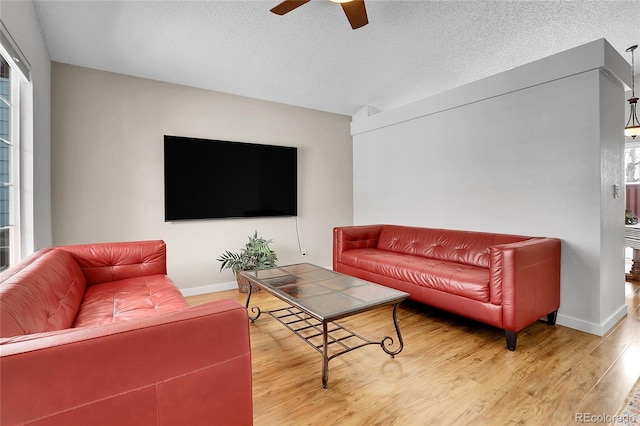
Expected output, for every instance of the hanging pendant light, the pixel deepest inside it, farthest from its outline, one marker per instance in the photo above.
(633, 125)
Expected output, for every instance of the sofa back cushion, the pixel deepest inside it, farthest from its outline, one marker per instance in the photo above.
(42, 294)
(471, 248)
(106, 262)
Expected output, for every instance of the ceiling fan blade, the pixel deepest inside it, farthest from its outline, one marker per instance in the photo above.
(287, 6)
(356, 13)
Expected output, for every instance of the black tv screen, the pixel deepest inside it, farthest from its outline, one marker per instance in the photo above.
(213, 179)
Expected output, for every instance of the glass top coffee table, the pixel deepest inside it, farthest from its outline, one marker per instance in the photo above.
(315, 298)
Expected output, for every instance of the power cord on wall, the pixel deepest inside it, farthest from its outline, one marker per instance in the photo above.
(302, 251)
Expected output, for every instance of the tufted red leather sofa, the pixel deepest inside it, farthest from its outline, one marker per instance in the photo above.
(507, 281)
(98, 334)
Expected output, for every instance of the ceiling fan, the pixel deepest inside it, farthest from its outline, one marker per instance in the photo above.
(354, 9)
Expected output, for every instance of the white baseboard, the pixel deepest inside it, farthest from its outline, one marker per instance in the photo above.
(590, 327)
(211, 288)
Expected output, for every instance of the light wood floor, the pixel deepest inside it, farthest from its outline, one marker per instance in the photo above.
(451, 371)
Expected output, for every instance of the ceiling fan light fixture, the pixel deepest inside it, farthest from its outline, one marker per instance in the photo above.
(355, 10)
(633, 125)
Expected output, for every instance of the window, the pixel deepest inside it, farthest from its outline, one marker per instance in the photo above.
(14, 71)
(5, 163)
(632, 164)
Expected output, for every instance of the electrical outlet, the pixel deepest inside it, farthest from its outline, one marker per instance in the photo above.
(303, 252)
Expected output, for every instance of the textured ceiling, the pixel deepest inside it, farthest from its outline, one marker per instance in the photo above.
(311, 57)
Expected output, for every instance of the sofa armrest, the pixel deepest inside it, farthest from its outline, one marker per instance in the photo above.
(106, 262)
(191, 366)
(525, 279)
(354, 237)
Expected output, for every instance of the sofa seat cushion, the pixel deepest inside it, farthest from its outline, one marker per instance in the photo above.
(128, 299)
(463, 280)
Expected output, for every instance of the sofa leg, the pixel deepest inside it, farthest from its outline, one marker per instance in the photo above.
(551, 318)
(511, 339)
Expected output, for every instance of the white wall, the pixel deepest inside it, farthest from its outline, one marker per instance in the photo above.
(611, 292)
(532, 151)
(107, 165)
(20, 19)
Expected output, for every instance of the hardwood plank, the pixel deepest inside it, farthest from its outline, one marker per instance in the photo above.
(452, 371)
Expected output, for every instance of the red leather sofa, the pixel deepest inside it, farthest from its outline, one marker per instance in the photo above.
(507, 281)
(99, 335)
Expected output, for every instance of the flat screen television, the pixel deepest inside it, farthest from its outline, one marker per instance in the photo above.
(213, 179)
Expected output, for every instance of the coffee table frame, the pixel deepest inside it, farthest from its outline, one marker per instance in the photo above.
(309, 326)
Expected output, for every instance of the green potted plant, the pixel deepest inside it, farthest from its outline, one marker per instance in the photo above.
(256, 254)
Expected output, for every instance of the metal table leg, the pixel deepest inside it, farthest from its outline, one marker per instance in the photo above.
(253, 308)
(325, 356)
(387, 342)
